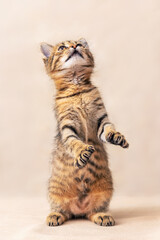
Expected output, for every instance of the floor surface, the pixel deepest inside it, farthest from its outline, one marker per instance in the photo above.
(24, 219)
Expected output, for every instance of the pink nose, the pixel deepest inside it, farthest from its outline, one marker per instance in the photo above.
(74, 46)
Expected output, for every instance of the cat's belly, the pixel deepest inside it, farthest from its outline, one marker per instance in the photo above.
(81, 206)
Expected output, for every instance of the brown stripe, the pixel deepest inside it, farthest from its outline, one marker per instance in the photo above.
(95, 165)
(98, 176)
(78, 93)
(70, 136)
(71, 128)
(100, 120)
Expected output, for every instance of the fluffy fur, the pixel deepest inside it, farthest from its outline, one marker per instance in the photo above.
(81, 181)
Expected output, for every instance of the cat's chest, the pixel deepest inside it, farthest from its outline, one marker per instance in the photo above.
(88, 110)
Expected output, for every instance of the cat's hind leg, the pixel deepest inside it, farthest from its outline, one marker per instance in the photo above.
(99, 213)
(59, 209)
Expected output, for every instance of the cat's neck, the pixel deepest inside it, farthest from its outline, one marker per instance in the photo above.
(72, 82)
(73, 87)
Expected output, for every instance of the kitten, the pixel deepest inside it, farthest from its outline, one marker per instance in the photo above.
(81, 181)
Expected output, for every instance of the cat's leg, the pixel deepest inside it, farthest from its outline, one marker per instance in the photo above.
(59, 210)
(100, 203)
(107, 133)
(74, 146)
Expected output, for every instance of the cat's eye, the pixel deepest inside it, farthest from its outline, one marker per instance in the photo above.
(79, 45)
(61, 48)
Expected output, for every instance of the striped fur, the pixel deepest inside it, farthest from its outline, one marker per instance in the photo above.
(81, 181)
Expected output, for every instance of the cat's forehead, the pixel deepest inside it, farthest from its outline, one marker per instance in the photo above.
(67, 43)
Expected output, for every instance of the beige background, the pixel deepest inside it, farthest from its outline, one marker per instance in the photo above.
(124, 37)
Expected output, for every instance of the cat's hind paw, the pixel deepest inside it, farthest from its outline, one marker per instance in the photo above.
(55, 219)
(103, 219)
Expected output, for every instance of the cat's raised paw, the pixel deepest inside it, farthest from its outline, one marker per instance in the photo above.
(117, 139)
(84, 156)
(55, 219)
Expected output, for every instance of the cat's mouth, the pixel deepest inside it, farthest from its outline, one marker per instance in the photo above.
(75, 52)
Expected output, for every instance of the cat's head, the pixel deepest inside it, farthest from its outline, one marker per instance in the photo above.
(67, 57)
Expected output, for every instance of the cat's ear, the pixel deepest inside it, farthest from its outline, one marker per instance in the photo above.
(46, 49)
(84, 42)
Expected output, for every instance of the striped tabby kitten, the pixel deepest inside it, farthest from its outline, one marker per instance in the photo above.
(81, 181)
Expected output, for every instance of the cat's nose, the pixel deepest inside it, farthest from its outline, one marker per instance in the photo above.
(74, 46)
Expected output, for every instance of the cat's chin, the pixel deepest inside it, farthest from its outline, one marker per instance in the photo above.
(75, 60)
(75, 53)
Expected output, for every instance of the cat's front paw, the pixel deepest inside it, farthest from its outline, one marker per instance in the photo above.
(84, 156)
(117, 139)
